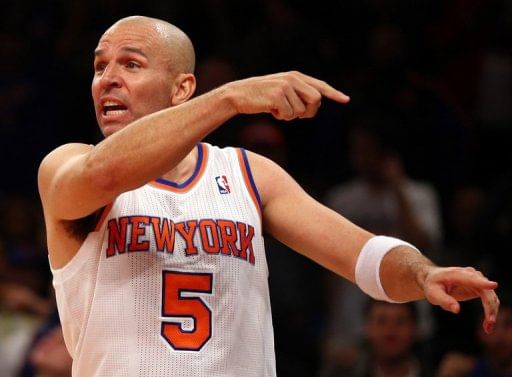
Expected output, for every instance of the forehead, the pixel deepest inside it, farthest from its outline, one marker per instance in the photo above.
(385, 310)
(139, 35)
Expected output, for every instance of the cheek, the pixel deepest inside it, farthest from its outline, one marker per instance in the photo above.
(95, 90)
(407, 334)
(153, 97)
(145, 105)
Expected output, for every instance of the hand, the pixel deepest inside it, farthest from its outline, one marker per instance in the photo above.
(445, 286)
(286, 96)
(50, 356)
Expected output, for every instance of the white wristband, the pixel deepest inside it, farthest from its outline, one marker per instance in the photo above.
(368, 265)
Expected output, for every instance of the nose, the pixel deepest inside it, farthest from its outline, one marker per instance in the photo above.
(111, 77)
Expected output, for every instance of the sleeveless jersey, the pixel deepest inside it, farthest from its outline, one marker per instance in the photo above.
(173, 281)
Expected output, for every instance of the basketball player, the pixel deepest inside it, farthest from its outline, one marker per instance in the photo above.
(155, 238)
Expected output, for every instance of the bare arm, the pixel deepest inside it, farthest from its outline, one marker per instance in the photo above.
(294, 218)
(76, 179)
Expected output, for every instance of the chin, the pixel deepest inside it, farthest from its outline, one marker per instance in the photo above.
(110, 129)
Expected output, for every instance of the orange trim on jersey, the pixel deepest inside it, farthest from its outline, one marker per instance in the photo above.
(249, 183)
(202, 159)
(103, 216)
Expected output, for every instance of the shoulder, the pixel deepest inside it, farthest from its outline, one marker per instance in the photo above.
(54, 166)
(270, 179)
(260, 165)
(66, 150)
(60, 156)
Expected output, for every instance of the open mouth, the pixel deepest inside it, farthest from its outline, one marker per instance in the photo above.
(113, 108)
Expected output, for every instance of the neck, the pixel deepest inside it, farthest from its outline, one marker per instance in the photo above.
(184, 169)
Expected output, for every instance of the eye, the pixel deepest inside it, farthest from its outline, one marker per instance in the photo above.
(132, 65)
(99, 67)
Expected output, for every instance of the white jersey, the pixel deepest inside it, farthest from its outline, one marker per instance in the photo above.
(173, 281)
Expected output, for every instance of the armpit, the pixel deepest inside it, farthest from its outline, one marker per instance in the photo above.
(80, 228)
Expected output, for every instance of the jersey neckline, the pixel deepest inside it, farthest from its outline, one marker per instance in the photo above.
(188, 184)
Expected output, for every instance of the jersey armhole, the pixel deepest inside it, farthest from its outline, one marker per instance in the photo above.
(101, 214)
(249, 180)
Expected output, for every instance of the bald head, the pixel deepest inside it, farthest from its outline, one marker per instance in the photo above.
(176, 46)
(143, 65)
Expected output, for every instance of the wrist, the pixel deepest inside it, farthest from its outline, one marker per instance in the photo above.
(368, 269)
(423, 271)
(228, 99)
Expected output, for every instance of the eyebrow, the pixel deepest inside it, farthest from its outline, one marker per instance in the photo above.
(135, 50)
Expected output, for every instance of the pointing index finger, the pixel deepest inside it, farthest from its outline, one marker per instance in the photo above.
(325, 89)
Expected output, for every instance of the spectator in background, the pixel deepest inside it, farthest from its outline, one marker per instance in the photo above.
(23, 259)
(47, 355)
(18, 298)
(382, 198)
(24, 280)
(462, 245)
(393, 77)
(24, 277)
(390, 344)
(479, 231)
(495, 359)
(391, 331)
(496, 226)
(464, 221)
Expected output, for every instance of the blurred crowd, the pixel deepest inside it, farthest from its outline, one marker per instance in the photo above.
(419, 153)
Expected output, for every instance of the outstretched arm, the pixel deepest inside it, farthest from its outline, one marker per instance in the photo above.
(294, 218)
(77, 179)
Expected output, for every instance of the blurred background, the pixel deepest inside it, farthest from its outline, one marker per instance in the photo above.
(420, 152)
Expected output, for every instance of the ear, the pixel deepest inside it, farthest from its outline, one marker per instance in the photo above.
(183, 88)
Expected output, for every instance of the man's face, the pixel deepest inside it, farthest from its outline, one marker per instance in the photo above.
(366, 155)
(391, 330)
(132, 77)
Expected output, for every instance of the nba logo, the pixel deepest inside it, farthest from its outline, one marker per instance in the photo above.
(222, 184)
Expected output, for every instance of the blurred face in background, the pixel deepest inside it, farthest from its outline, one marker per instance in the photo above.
(264, 137)
(390, 330)
(366, 155)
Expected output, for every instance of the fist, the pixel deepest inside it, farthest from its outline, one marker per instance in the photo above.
(286, 96)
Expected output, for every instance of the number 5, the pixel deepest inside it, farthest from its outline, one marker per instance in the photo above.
(174, 305)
